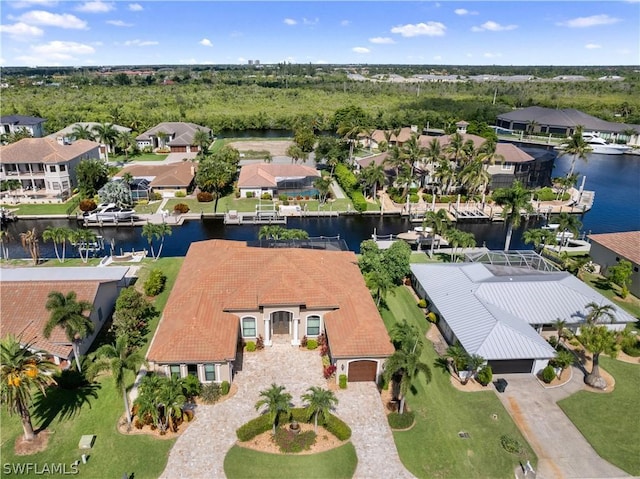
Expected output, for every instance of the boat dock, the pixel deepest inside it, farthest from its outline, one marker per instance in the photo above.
(236, 218)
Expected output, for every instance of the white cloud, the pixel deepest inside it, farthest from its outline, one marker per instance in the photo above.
(119, 23)
(345, 23)
(21, 30)
(431, 29)
(382, 40)
(492, 55)
(289, 21)
(361, 50)
(97, 6)
(205, 42)
(492, 26)
(63, 20)
(592, 46)
(33, 3)
(592, 21)
(308, 21)
(464, 11)
(56, 53)
(242, 60)
(135, 7)
(139, 43)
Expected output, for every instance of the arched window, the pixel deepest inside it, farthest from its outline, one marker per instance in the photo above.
(249, 327)
(313, 325)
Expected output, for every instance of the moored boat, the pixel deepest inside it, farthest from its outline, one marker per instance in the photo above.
(109, 212)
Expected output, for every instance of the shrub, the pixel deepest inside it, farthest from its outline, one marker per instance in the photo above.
(138, 424)
(383, 383)
(485, 375)
(631, 348)
(511, 444)
(329, 371)
(422, 303)
(359, 201)
(289, 441)
(303, 341)
(312, 344)
(250, 346)
(414, 198)
(345, 177)
(87, 205)
(188, 415)
(204, 197)
(342, 381)
(553, 341)
(282, 197)
(260, 343)
(181, 208)
(574, 342)
(249, 194)
(254, 427)
(154, 285)
(337, 427)
(191, 386)
(155, 196)
(225, 387)
(180, 194)
(427, 198)
(548, 374)
(266, 196)
(401, 421)
(325, 361)
(432, 317)
(210, 393)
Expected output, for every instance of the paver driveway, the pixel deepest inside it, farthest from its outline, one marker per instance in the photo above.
(201, 450)
(563, 453)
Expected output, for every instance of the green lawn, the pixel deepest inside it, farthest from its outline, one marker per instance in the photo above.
(609, 421)
(631, 304)
(241, 463)
(40, 209)
(432, 447)
(140, 157)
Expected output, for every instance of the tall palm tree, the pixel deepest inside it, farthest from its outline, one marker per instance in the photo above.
(202, 140)
(406, 336)
(30, 244)
(21, 369)
(318, 403)
(560, 325)
(458, 357)
(118, 358)
(379, 284)
(439, 222)
(107, 134)
(445, 174)
(323, 185)
(474, 177)
(5, 238)
(126, 140)
(82, 132)
(156, 231)
(569, 223)
(413, 152)
(598, 340)
(276, 400)
(395, 158)
(69, 313)
(459, 239)
(170, 399)
(577, 147)
(456, 148)
(513, 201)
(59, 236)
(404, 367)
(350, 132)
(374, 175)
(598, 312)
(539, 237)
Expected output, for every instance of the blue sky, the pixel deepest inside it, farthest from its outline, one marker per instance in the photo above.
(47, 32)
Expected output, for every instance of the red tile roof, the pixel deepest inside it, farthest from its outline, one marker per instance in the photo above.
(219, 277)
(626, 244)
(257, 175)
(26, 318)
(170, 175)
(45, 150)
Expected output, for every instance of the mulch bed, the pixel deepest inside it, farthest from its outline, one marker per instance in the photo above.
(26, 448)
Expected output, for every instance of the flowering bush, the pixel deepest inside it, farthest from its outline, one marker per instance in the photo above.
(329, 371)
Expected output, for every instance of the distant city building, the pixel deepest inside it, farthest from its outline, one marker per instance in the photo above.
(256, 62)
(250, 62)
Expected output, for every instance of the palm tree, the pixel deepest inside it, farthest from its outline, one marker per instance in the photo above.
(474, 362)
(82, 132)
(406, 336)
(68, 313)
(458, 357)
(21, 369)
(374, 175)
(439, 222)
(318, 403)
(395, 159)
(379, 284)
(413, 152)
(276, 400)
(323, 185)
(59, 236)
(539, 237)
(577, 147)
(107, 134)
(171, 399)
(598, 312)
(513, 200)
(157, 231)
(474, 177)
(564, 358)
(567, 222)
(29, 240)
(82, 239)
(5, 238)
(404, 366)
(598, 340)
(433, 151)
(125, 141)
(202, 140)
(560, 325)
(459, 239)
(118, 358)
(445, 174)
(162, 138)
(456, 147)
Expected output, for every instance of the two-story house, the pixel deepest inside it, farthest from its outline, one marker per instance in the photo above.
(10, 124)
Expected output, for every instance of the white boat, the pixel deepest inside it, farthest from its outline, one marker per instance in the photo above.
(109, 212)
(600, 145)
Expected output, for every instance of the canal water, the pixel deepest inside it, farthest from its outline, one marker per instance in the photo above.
(615, 179)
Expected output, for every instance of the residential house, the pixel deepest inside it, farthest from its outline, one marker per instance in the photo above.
(24, 293)
(19, 123)
(165, 179)
(227, 293)
(498, 310)
(68, 134)
(45, 165)
(257, 179)
(608, 249)
(177, 136)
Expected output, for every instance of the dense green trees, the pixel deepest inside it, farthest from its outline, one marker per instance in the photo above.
(216, 172)
(92, 175)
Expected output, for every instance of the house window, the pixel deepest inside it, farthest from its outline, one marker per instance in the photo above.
(100, 318)
(192, 370)
(63, 168)
(506, 166)
(248, 327)
(209, 372)
(313, 325)
(52, 168)
(175, 371)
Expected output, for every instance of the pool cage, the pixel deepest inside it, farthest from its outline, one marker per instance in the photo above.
(516, 259)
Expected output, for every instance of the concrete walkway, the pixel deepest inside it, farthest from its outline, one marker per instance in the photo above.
(201, 450)
(563, 453)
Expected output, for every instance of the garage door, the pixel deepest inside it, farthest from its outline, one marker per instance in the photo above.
(362, 371)
(178, 149)
(511, 366)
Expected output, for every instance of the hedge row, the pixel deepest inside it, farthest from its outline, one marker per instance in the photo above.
(349, 183)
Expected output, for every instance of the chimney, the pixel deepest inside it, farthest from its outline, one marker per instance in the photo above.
(193, 170)
(60, 140)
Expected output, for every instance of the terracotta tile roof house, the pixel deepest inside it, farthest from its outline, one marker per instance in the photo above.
(608, 249)
(172, 176)
(379, 135)
(275, 179)
(44, 163)
(179, 136)
(26, 319)
(17, 123)
(227, 291)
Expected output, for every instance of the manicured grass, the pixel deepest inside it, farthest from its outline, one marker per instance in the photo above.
(423, 257)
(631, 304)
(140, 157)
(147, 208)
(609, 421)
(337, 463)
(432, 447)
(39, 209)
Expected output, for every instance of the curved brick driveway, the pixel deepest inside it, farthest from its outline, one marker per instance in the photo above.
(200, 451)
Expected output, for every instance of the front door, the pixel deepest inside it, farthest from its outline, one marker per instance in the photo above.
(280, 321)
